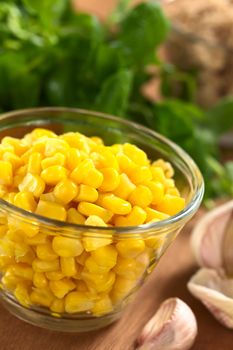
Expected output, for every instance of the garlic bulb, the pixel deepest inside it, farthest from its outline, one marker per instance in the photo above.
(173, 327)
(212, 236)
(215, 290)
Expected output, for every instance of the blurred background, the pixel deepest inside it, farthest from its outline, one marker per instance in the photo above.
(165, 64)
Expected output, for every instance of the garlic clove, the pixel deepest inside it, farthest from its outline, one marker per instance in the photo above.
(173, 327)
(208, 237)
(215, 290)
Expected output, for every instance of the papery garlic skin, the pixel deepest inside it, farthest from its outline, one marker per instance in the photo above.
(208, 236)
(215, 290)
(173, 327)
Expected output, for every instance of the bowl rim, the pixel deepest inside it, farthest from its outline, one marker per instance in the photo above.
(189, 209)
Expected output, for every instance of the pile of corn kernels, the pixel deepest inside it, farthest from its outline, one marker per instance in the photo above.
(79, 180)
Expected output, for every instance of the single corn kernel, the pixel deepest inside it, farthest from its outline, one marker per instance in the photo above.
(21, 170)
(97, 140)
(15, 161)
(90, 209)
(48, 197)
(166, 166)
(42, 296)
(22, 294)
(140, 175)
(135, 154)
(57, 306)
(67, 247)
(62, 287)
(155, 242)
(105, 256)
(32, 183)
(40, 132)
(103, 157)
(91, 242)
(73, 158)
(54, 275)
(77, 302)
(65, 191)
(82, 287)
(34, 163)
(141, 196)
(51, 210)
(153, 215)
(93, 267)
(20, 146)
(81, 171)
(86, 194)
(124, 188)
(129, 268)
(126, 165)
(94, 178)
(9, 280)
(23, 271)
(45, 252)
(68, 266)
(38, 238)
(99, 282)
(40, 280)
(24, 253)
(102, 306)
(115, 204)
(157, 190)
(56, 159)
(6, 173)
(158, 174)
(122, 288)
(111, 179)
(74, 217)
(173, 191)
(130, 248)
(45, 266)
(55, 145)
(54, 174)
(9, 197)
(171, 205)
(169, 183)
(137, 216)
(26, 201)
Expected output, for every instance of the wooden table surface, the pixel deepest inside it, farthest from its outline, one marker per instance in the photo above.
(169, 279)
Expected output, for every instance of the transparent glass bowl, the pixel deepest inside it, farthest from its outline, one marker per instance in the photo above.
(153, 238)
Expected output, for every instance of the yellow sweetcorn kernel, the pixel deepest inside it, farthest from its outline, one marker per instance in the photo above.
(137, 216)
(54, 275)
(105, 256)
(20, 146)
(94, 178)
(155, 215)
(21, 293)
(135, 154)
(91, 242)
(32, 183)
(48, 197)
(102, 306)
(130, 248)
(6, 173)
(173, 191)
(40, 132)
(158, 174)
(67, 247)
(124, 188)
(171, 205)
(77, 140)
(122, 288)
(78, 302)
(103, 158)
(45, 252)
(39, 280)
(166, 166)
(25, 200)
(9, 280)
(100, 283)
(55, 145)
(57, 306)
(38, 238)
(115, 204)
(24, 253)
(3, 230)
(90, 209)
(126, 165)
(74, 217)
(23, 271)
(97, 140)
(9, 197)
(3, 191)
(68, 266)
(86, 194)
(141, 196)
(73, 158)
(45, 266)
(5, 149)
(140, 175)
(56, 159)
(157, 190)
(51, 210)
(82, 287)
(155, 242)
(129, 268)
(81, 170)
(82, 258)
(54, 174)
(65, 191)
(17, 179)
(95, 268)
(62, 287)
(34, 163)
(42, 296)
(15, 160)
(111, 179)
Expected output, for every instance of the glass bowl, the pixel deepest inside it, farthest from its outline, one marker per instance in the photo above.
(109, 292)
(200, 43)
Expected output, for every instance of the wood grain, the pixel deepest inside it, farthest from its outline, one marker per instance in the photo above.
(168, 279)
